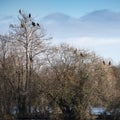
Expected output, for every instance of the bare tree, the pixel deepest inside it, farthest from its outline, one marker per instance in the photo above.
(77, 82)
(3, 56)
(31, 40)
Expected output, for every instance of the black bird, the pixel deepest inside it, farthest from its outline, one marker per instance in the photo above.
(29, 15)
(103, 62)
(33, 23)
(75, 51)
(31, 60)
(21, 25)
(20, 11)
(109, 63)
(38, 24)
(81, 55)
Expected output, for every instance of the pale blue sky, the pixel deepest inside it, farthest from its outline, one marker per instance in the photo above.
(74, 8)
(89, 24)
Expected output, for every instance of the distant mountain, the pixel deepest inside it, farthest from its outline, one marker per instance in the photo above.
(102, 16)
(95, 16)
(56, 17)
(97, 23)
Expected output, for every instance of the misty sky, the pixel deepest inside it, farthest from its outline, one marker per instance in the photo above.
(89, 24)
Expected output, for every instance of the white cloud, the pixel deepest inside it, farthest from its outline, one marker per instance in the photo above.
(92, 42)
(88, 41)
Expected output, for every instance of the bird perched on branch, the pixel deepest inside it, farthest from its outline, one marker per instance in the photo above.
(75, 51)
(38, 24)
(33, 23)
(22, 25)
(31, 59)
(103, 62)
(29, 15)
(81, 55)
(20, 11)
(109, 63)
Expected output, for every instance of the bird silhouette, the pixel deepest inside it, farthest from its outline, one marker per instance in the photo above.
(29, 15)
(38, 24)
(31, 60)
(75, 51)
(81, 55)
(109, 63)
(33, 23)
(21, 25)
(103, 62)
(20, 11)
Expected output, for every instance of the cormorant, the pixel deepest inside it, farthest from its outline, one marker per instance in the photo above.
(75, 51)
(103, 62)
(81, 55)
(38, 24)
(21, 25)
(109, 63)
(33, 23)
(20, 11)
(29, 15)
(31, 60)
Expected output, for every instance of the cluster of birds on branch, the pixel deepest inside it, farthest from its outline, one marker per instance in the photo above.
(109, 63)
(75, 51)
(37, 24)
(33, 23)
(81, 54)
